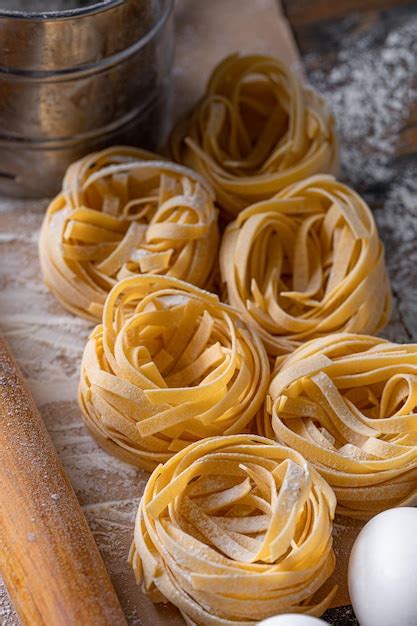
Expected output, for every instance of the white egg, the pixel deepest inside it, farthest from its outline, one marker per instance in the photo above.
(383, 570)
(293, 619)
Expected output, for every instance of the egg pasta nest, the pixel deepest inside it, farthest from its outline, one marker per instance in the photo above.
(348, 403)
(233, 530)
(256, 130)
(169, 365)
(306, 263)
(123, 212)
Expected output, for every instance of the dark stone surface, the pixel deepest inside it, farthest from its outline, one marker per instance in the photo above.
(365, 64)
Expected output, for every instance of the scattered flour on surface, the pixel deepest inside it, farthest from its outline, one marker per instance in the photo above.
(370, 89)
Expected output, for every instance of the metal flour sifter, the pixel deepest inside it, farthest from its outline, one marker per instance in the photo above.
(76, 76)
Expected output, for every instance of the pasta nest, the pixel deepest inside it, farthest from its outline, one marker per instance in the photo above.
(348, 403)
(233, 530)
(122, 212)
(306, 263)
(169, 365)
(256, 130)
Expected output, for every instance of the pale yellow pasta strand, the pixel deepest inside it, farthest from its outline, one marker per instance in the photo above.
(235, 529)
(122, 212)
(348, 403)
(169, 365)
(306, 263)
(256, 130)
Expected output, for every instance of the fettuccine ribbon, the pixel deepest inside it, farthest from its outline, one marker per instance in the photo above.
(348, 403)
(305, 263)
(124, 212)
(256, 130)
(233, 530)
(169, 365)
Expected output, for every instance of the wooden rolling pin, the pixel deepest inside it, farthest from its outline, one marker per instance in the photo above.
(48, 557)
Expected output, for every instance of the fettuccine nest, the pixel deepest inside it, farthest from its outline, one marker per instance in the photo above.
(306, 263)
(256, 130)
(233, 530)
(124, 212)
(348, 403)
(169, 365)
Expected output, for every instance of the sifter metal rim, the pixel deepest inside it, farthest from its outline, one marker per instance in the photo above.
(91, 67)
(97, 7)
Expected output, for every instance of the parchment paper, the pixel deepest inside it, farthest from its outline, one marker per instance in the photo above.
(48, 342)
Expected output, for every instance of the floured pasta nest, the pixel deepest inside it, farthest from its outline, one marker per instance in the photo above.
(306, 263)
(233, 530)
(169, 365)
(124, 212)
(256, 130)
(348, 403)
